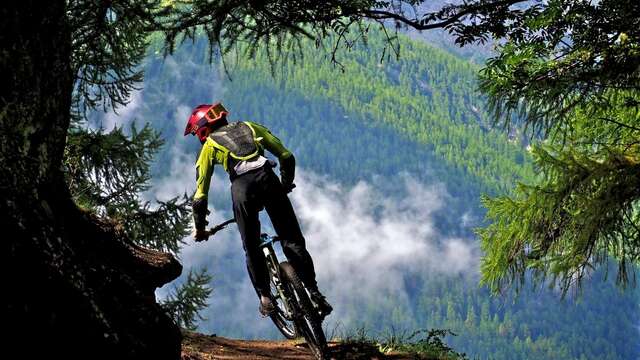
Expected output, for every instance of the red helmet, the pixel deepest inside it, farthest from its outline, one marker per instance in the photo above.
(203, 118)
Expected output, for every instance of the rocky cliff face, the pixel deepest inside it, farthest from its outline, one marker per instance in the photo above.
(82, 288)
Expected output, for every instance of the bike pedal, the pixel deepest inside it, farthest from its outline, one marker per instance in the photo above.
(267, 314)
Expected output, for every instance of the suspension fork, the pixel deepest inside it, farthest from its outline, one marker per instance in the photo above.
(274, 268)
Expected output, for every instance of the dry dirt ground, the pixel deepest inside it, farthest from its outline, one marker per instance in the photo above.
(206, 347)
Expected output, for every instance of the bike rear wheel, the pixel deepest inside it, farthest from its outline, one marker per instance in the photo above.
(307, 320)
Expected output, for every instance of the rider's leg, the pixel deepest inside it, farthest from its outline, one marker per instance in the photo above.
(245, 209)
(286, 226)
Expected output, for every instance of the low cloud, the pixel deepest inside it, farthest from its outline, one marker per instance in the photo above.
(365, 230)
(366, 243)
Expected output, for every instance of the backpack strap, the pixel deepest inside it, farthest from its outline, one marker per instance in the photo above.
(256, 139)
(224, 151)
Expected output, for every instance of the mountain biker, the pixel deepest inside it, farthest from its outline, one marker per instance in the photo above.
(239, 148)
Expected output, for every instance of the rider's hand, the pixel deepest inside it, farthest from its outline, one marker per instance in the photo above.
(288, 187)
(200, 235)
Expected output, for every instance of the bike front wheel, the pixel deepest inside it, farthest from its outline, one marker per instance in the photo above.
(286, 325)
(307, 319)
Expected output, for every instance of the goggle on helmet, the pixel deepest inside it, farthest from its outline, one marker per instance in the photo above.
(203, 116)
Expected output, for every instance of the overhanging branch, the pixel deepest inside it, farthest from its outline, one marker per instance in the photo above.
(444, 14)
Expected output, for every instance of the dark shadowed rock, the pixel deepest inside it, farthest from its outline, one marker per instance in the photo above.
(74, 287)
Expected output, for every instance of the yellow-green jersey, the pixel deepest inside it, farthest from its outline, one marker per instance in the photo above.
(214, 152)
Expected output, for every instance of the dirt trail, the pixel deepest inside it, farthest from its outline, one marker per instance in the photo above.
(205, 347)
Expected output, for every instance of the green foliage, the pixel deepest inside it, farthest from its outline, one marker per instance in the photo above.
(431, 344)
(563, 55)
(278, 27)
(109, 39)
(186, 301)
(108, 42)
(109, 168)
(571, 74)
(584, 211)
(421, 344)
(162, 227)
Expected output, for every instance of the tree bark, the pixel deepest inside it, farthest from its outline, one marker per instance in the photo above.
(73, 283)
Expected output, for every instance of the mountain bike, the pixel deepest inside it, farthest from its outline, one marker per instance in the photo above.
(295, 313)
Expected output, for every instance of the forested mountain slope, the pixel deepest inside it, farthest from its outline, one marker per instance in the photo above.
(427, 97)
(418, 116)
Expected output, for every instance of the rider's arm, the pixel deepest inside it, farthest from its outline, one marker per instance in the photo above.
(275, 146)
(204, 170)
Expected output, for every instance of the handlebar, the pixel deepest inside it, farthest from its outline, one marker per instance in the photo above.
(289, 188)
(220, 226)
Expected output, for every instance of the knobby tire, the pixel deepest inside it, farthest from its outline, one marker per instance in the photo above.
(308, 321)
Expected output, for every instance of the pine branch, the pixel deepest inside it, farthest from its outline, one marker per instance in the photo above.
(186, 302)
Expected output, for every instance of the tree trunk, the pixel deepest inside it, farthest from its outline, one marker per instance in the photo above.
(73, 283)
